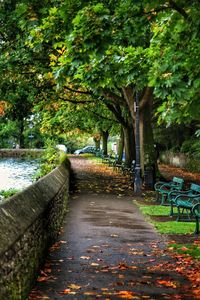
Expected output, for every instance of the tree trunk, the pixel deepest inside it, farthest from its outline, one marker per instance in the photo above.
(147, 149)
(129, 143)
(120, 145)
(148, 153)
(105, 135)
(97, 143)
(21, 134)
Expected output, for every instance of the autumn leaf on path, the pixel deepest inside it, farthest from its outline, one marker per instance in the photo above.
(167, 283)
(94, 264)
(74, 286)
(45, 277)
(85, 257)
(126, 295)
(65, 292)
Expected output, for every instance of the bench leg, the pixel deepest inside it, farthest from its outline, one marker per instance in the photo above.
(163, 199)
(171, 211)
(179, 213)
(157, 196)
(197, 225)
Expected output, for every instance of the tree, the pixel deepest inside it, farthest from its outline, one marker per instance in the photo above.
(98, 54)
(175, 55)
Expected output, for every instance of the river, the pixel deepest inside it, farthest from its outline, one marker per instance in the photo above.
(17, 173)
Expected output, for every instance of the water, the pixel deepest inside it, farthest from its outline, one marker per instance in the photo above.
(17, 173)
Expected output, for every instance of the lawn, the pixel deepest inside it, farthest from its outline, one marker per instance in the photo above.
(166, 226)
(171, 227)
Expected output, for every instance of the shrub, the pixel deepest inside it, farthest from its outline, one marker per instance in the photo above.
(51, 158)
(6, 194)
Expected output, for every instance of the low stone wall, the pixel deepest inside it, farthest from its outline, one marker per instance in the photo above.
(21, 152)
(180, 160)
(29, 223)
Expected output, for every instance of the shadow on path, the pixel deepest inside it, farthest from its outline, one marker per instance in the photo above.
(106, 249)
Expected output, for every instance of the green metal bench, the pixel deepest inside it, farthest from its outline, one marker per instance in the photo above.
(192, 191)
(164, 188)
(196, 213)
(117, 164)
(108, 159)
(186, 203)
(128, 169)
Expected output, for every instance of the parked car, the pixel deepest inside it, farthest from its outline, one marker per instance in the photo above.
(87, 149)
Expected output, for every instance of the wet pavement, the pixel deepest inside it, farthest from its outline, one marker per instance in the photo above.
(107, 250)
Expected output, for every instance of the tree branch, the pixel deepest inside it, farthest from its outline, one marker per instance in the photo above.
(78, 91)
(75, 101)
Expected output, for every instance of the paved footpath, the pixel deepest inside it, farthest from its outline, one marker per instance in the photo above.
(106, 249)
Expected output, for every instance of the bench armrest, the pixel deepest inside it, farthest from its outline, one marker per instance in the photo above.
(162, 185)
(158, 184)
(173, 194)
(187, 198)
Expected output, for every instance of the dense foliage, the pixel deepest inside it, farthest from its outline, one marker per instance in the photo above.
(76, 67)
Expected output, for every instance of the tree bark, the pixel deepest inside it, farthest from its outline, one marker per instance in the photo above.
(120, 145)
(97, 143)
(21, 134)
(147, 149)
(129, 143)
(129, 97)
(105, 135)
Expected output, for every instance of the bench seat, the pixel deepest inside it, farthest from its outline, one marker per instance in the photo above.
(163, 189)
(186, 203)
(192, 191)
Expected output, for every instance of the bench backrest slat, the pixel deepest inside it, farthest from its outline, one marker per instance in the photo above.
(178, 182)
(195, 188)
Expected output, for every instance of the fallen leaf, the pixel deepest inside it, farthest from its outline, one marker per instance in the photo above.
(43, 278)
(126, 295)
(65, 292)
(74, 286)
(167, 283)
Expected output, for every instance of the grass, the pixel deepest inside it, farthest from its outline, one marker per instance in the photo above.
(155, 210)
(172, 227)
(8, 193)
(166, 227)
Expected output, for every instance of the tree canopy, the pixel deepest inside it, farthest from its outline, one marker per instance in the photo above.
(74, 61)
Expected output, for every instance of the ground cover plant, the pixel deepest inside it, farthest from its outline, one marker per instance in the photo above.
(6, 194)
(165, 224)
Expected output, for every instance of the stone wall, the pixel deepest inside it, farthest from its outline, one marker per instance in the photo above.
(20, 152)
(181, 160)
(29, 223)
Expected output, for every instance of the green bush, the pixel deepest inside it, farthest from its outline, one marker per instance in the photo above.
(6, 194)
(191, 146)
(51, 158)
(193, 164)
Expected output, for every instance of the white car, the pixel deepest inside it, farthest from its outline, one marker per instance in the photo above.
(61, 147)
(87, 149)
